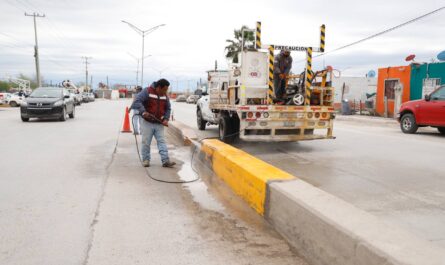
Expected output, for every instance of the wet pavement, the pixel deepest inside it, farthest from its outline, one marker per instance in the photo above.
(373, 166)
(74, 193)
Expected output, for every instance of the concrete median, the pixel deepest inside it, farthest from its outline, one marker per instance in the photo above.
(323, 228)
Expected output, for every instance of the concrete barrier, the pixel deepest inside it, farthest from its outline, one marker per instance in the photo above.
(323, 228)
(245, 174)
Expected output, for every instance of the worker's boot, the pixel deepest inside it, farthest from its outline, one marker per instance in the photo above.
(146, 163)
(168, 164)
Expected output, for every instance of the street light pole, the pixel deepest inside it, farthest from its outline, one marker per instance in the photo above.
(143, 33)
(142, 61)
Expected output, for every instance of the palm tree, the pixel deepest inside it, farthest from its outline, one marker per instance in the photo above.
(234, 46)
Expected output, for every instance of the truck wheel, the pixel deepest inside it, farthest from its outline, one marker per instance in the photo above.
(441, 130)
(24, 119)
(13, 104)
(201, 122)
(408, 124)
(225, 130)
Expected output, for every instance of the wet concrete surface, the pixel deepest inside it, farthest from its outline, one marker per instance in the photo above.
(144, 221)
(70, 195)
(397, 177)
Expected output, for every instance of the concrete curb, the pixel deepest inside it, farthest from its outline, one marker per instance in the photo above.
(323, 228)
(181, 131)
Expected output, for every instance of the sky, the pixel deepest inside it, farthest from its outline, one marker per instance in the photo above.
(196, 31)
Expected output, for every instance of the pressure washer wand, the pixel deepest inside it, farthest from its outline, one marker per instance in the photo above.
(154, 117)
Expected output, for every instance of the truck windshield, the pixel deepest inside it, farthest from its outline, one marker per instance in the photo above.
(46, 93)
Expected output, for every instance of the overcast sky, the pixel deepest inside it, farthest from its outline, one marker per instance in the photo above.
(196, 30)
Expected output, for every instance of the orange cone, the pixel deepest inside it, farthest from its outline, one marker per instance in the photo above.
(126, 128)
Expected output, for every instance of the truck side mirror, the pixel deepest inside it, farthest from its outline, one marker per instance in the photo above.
(427, 97)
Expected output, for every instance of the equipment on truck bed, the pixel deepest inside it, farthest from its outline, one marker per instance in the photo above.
(241, 99)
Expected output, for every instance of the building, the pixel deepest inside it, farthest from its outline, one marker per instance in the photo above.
(388, 79)
(354, 89)
(414, 81)
(425, 78)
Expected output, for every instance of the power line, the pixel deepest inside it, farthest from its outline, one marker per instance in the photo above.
(381, 33)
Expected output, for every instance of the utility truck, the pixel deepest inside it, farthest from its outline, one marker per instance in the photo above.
(241, 101)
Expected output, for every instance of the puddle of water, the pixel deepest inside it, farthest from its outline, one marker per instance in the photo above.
(198, 189)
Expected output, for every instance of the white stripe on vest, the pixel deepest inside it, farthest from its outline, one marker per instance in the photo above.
(156, 97)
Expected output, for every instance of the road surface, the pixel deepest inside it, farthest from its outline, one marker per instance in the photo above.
(398, 177)
(74, 193)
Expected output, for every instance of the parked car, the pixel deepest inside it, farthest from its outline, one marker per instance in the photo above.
(91, 97)
(424, 112)
(15, 99)
(3, 97)
(192, 99)
(48, 102)
(181, 98)
(85, 97)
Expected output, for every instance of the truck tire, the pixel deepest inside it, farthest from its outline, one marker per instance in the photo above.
(226, 129)
(24, 119)
(200, 120)
(441, 130)
(408, 124)
(13, 104)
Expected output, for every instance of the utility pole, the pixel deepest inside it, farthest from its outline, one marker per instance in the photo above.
(86, 71)
(36, 47)
(91, 84)
(108, 86)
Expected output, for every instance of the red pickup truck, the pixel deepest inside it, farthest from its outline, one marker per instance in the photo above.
(424, 112)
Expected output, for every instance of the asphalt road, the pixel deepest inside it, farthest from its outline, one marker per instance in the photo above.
(74, 193)
(372, 165)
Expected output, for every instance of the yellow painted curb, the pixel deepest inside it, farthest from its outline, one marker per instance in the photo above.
(245, 174)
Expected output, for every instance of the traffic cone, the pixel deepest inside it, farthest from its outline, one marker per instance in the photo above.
(126, 128)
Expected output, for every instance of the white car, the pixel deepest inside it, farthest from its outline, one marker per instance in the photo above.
(15, 100)
(3, 97)
(192, 99)
(204, 115)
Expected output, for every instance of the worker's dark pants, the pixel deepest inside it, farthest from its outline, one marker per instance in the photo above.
(279, 86)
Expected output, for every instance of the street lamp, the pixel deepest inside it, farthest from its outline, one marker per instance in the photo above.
(143, 33)
(137, 67)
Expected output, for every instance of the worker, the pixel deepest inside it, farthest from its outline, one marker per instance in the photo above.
(154, 106)
(282, 65)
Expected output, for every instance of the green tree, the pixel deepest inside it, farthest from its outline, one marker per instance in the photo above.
(32, 80)
(234, 46)
(4, 86)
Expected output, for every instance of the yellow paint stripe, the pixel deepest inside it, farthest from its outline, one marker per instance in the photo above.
(245, 174)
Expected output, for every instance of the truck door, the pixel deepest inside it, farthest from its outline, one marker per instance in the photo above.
(432, 112)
